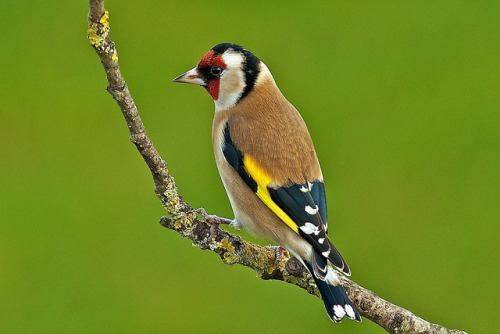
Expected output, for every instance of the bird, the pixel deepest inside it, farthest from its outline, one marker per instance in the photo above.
(269, 167)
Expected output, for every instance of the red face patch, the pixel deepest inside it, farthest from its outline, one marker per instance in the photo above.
(213, 88)
(209, 60)
(206, 60)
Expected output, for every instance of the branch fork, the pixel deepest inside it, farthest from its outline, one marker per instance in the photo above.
(270, 262)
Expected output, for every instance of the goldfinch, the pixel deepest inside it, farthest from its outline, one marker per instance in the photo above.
(267, 162)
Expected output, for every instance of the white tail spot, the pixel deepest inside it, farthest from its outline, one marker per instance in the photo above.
(350, 311)
(338, 311)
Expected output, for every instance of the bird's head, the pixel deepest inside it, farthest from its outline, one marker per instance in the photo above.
(228, 72)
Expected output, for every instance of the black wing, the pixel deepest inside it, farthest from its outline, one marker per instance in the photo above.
(300, 206)
(305, 204)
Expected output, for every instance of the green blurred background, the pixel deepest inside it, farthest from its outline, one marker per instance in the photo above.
(402, 101)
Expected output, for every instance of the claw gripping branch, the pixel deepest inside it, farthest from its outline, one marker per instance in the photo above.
(268, 262)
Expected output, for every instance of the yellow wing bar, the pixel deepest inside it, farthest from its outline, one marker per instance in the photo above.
(263, 179)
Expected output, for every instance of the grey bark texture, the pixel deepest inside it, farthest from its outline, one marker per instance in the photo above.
(269, 262)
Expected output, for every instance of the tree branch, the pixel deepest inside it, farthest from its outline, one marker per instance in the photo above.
(269, 262)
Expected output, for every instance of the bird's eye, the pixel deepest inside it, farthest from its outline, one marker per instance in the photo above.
(216, 70)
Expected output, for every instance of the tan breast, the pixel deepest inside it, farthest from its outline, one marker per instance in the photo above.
(267, 127)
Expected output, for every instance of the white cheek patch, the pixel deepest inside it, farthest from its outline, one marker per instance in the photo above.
(233, 59)
(232, 81)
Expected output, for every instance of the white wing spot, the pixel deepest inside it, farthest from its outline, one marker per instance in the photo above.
(311, 211)
(304, 189)
(326, 254)
(310, 185)
(308, 228)
(321, 240)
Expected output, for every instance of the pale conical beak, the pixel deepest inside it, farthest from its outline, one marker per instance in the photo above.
(191, 77)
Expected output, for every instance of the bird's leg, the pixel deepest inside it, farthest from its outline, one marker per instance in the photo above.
(213, 220)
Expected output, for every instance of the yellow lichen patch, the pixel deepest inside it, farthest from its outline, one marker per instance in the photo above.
(230, 259)
(182, 224)
(97, 32)
(115, 55)
(92, 35)
(226, 247)
(177, 224)
(104, 19)
(290, 279)
(171, 200)
(261, 260)
(266, 265)
(225, 244)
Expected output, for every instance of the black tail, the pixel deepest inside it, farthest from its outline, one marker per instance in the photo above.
(336, 302)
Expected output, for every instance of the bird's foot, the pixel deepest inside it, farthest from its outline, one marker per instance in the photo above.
(213, 220)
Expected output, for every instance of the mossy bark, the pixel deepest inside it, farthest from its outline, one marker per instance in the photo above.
(269, 262)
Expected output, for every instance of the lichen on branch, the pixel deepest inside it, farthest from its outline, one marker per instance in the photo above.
(97, 33)
(269, 262)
